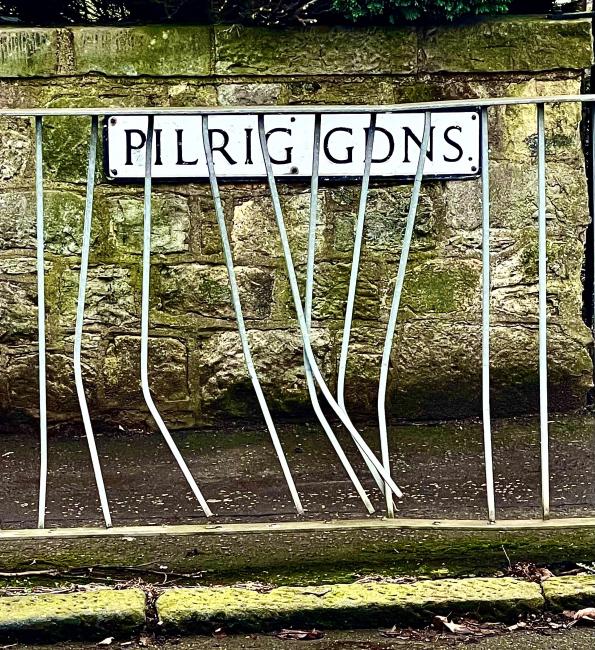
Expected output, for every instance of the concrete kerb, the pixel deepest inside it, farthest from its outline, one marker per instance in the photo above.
(96, 614)
(48, 617)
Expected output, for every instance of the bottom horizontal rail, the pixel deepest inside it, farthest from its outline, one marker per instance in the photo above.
(304, 552)
(300, 527)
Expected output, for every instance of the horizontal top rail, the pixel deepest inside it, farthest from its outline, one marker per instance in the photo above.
(181, 530)
(299, 108)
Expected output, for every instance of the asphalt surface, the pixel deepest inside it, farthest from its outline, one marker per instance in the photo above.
(439, 467)
(575, 639)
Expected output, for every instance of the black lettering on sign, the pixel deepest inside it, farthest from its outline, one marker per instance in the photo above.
(391, 144)
(249, 147)
(410, 135)
(221, 148)
(349, 150)
(158, 160)
(453, 144)
(288, 150)
(180, 160)
(129, 146)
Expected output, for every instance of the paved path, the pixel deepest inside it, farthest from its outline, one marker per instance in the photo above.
(577, 639)
(439, 467)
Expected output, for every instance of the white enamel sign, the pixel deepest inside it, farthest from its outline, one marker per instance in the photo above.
(178, 152)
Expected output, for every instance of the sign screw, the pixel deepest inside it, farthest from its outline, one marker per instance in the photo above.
(114, 172)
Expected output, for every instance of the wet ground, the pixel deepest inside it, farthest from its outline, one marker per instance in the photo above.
(576, 639)
(439, 468)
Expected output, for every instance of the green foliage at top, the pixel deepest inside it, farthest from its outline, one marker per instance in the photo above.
(256, 12)
(411, 10)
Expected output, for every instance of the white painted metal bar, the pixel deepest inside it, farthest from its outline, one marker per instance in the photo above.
(308, 315)
(302, 108)
(144, 343)
(43, 430)
(543, 398)
(361, 443)
(396, 300)
(355, 261)
(80, 317)
(237, 307)
(485, 332)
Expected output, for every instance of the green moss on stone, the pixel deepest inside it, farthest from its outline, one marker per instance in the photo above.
(570, 592)
(318, 50)
(66, 148)
(361, 90)
(301, 558)
(64, 212)
(87, 615)
(182, 51)
(30, 52)
(508, 45)
(441, 287)
(339, 606)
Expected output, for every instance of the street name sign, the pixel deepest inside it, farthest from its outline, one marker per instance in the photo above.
(178, 152)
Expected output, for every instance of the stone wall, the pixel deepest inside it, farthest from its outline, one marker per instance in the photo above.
(197, 372)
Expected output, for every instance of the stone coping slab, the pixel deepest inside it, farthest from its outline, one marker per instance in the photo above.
(569, 592)
(94, 615)
(346, 605)
(509, 44)
(85, 615)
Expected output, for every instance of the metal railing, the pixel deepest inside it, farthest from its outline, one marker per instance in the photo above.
(378, 467)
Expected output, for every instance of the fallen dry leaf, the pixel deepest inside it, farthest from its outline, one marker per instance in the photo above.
(529, 571)
(300, 635)
(587, 614)
(442, 623)
(517, 626)
(393, 633)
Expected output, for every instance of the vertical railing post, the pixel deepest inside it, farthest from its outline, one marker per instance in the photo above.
(80, 317)
(396, 300)
(543, 393)
(355, 261)
(144, 342)
(40, 262)
(353, 276)
(308, 315)
(485, 332)
(297, 302)
(237, 307)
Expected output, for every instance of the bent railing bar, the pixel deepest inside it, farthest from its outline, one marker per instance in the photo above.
(78, 330)
(361, 443)
(543, 398)
(237, 307)
(144, 342)
(485, 328)
(355, 261)
(43, 429)
(394, 309)
(308, 315)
